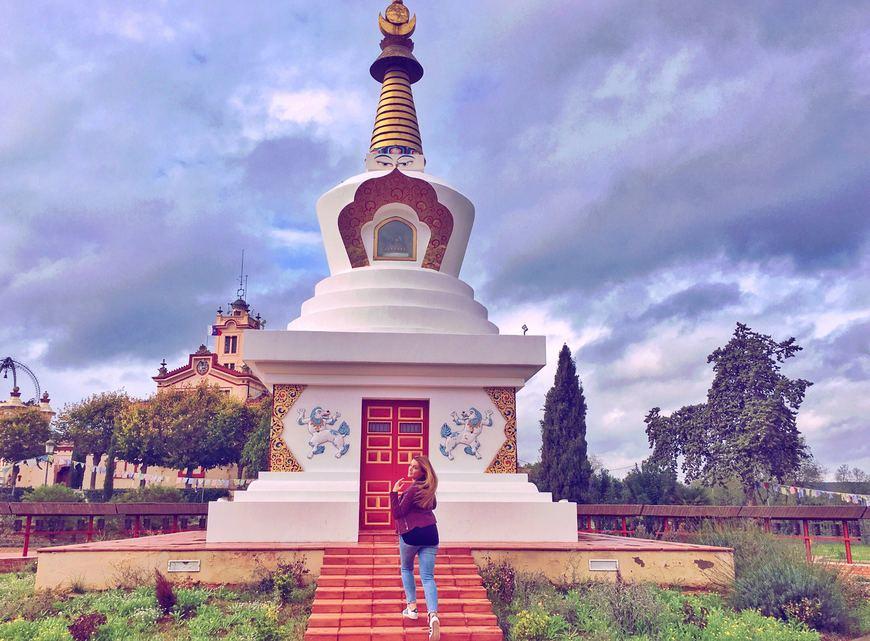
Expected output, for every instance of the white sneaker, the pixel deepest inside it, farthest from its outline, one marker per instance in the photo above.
(434, 627)
(408, 613)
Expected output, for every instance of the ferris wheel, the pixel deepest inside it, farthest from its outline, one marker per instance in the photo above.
(9, 364)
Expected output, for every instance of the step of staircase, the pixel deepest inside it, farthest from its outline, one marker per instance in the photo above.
(359, 596)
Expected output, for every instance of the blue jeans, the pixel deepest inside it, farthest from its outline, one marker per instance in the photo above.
(427, 573)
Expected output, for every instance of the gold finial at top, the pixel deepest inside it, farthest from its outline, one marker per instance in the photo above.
(398, 20)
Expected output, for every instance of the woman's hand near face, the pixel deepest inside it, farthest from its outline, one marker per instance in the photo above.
(398, 485)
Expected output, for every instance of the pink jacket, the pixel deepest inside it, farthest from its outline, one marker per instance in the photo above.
(407, 513)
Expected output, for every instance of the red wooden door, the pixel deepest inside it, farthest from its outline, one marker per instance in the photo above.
(393, 432)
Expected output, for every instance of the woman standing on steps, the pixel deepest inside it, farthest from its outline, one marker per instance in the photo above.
(418, 536)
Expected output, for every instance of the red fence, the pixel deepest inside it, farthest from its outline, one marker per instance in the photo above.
(42, 518)
(670, 516)
(137, 518)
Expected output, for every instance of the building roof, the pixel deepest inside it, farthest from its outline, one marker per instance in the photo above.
(189, 368)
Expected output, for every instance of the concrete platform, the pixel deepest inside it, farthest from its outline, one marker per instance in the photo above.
(106, 564)
(12, 561)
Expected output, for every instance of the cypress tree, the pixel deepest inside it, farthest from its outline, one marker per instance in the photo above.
(565, 469)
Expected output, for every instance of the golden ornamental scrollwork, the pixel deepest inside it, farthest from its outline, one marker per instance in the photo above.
(505, 460)
(281, 459)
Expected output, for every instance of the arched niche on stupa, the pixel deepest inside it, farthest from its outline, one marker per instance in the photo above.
(400, 193)
(391, 225)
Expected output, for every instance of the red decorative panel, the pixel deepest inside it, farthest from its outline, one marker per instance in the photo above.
(395, 187)
(386, 454)
(380, 412)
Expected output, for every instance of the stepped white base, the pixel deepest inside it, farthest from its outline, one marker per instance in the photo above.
(282, 522)
(296, 508)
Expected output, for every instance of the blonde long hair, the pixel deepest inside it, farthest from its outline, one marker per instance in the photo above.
(427, 485)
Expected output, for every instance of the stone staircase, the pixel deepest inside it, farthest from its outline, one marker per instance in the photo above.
(359, 596)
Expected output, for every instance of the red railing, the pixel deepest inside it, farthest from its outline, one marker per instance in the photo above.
(590, 515)
(131, 515)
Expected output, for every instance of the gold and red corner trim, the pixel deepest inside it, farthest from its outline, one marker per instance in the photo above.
(281, 459)
(505, 460)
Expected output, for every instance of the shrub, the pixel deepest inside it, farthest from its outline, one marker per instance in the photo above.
(536, 624)
(150, 494)
(265, 628)
(499, 579)
(633, 609)
(163, 592)
(128, 576)
(749, 543)
(789, 588)
(697, 618)
(287, 578)
(12, 495)
(85, 627)
(775, 579)
(52, 494)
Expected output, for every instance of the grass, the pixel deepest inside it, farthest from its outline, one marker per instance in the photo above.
(200, 614)
(836, 551)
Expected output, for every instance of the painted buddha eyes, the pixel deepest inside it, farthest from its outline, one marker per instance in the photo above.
(385, 160)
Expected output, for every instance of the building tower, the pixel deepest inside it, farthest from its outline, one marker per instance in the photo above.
(224, 366)
(391, 357)
(229, 329)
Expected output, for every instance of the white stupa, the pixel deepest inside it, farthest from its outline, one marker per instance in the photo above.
(392, 356)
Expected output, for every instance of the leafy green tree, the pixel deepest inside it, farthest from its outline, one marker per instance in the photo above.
(534, 472)
(651, 483)
(174, 429)
(843, 474)
(655, 484)
(809, 471)
(255, 454)
(52, 494)
(139, 437)
(235, 426)
(151, 494)
(186, 429)
(23, 434)
(90, 425)
(747, 428)
(604, 488)
(565, 469)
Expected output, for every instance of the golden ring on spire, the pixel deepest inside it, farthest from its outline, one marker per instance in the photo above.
(389, 28)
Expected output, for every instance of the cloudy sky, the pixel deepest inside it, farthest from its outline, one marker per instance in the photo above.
(645, 175)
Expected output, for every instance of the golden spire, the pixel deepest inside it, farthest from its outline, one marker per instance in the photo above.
(397, 69)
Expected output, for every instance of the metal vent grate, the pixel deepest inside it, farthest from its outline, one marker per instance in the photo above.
(603, 565)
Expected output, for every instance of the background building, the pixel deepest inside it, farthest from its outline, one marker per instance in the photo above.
(224, 366)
